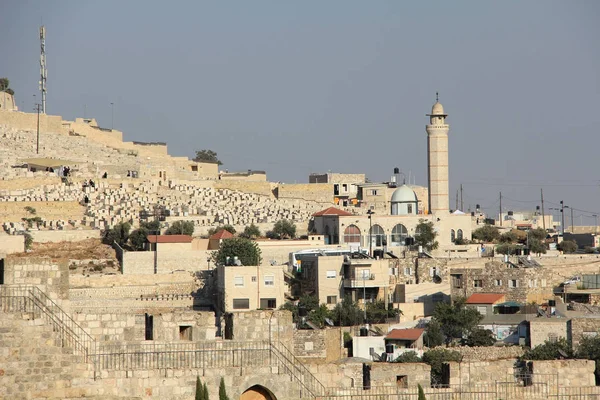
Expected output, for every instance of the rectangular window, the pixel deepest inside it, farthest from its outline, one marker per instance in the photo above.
(456, 281)
(238, 281)
(269, 280)
(482, 310)
(331, 299)
(408, 271)
(253, 279)
(498, 282)
(241, 304)
(552, 337)
(513, 283)
(331, 274)
(477, 283)
(533, 283)
(373, 192)
(268, 304)
(365, 274)
(409, 208)
(543, 283)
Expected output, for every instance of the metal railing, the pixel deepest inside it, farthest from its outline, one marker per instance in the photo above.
(134, 356)
(30, 299)
(297, 370)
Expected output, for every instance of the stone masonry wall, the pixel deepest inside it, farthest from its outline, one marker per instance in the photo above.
(490, 353)
(264, 326)
(542, 329)
(583, 326)
(570, 373)
(51, 276)
(310, 343)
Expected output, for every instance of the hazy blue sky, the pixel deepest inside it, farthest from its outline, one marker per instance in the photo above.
(311, 86)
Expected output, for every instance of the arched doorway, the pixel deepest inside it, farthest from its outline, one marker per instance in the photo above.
(399, 234)
(258, 392)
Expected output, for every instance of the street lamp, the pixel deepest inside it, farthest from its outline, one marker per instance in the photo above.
(572, 231)
(370, 213)
(112, 115)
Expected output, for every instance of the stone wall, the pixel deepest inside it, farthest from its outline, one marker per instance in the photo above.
(264, 326)
(257, 187)
(11, 244)
(15, 210)
(319, 192)
(490, 353)
(471, 373)
(310, 343)
(570, 373)
(348, 375)
(543, 329)
(67, 235)
(29, 121)
(583, 326)
(51, 276)
(138, 262)
(521, 284)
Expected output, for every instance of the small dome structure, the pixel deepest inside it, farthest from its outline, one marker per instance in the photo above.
(404, 201)
(437, 109)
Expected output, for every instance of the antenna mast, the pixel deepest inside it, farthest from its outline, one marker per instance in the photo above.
(43, 70)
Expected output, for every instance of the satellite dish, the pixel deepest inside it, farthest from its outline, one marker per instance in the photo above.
(562, 353)
(329, 322)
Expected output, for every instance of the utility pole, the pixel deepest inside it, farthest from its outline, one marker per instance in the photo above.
(462, 208)
(456, 200)
(572, 229)
(500, 208)
(37, 147)
(370, 213)
(562, 217)
(543, 215)
(43, 70)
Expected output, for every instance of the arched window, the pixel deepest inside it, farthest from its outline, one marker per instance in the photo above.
(377, 235)
(399, 233)
(459, 234)
(352, 234)
(452, 235)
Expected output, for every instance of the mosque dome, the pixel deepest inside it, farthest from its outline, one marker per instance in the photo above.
(404, 194)
(437, 109)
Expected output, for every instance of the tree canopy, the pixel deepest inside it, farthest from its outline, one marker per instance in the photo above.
(567, 246)
(251, 231)
(4, 86)
(455, 320)
(246, 250)
(285, 229)
(228, 228)
(207, 156)
(425, 235)
(181, 228)
(486, 233)
(118, 234)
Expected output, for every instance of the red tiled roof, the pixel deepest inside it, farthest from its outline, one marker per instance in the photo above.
(170, 239)
(405, 334)
(332, 211)
(222, 234)
(485, 298)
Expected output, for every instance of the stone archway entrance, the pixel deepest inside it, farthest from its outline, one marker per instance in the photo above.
(258, 392)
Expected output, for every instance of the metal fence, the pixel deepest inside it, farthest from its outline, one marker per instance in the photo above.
(183, 355)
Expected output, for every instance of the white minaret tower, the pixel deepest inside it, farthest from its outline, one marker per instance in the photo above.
(437, 159)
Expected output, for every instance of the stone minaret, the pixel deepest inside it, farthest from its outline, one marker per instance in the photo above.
(437, 160)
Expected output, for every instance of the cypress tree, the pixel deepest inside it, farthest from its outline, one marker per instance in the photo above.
(222, 391)
(199, 390)
(421, 393)
(205, 390)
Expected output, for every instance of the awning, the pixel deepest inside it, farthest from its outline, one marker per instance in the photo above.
(508, 304)
(48, 162)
